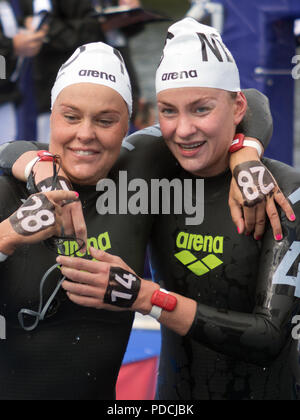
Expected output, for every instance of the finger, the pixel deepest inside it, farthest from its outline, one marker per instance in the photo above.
(285, 205)
(237, 215)
(260, 222)
(105, 257)
(78, 223)
(93, 267)
(38, 36)
(85, 301)
(58, 196)
(274, 219)
(250, 217)
(68, 227)
(58, 224)
(84, 277)
(83, 290)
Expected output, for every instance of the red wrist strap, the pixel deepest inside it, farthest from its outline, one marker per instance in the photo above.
(45, 156)
(237, 143)
(164, 301)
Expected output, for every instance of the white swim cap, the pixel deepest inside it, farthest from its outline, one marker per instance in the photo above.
(95, 63)
(195, 56)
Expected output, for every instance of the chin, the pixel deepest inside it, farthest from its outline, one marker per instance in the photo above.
(82, 178)
(191, 167)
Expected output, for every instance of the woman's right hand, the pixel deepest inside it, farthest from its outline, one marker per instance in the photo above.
(38, 219)
(72, 215)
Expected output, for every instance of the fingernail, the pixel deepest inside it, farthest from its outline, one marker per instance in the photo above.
(247, 233)
(258, 238)
(293, 218)
(239, 230)
(76, 193)
(279, 237)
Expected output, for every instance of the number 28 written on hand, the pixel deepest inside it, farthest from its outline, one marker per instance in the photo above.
(254, 181)
(35, 215)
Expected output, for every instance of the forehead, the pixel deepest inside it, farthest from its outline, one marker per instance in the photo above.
(190, 95)
(91, 97)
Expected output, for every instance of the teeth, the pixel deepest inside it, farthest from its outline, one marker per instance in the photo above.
(83, 152)
(191, 146)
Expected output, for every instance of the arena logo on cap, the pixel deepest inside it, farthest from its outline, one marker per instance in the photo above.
(180, 75)
(98, 74)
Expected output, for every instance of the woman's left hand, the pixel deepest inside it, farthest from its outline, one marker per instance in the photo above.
(90, 281)
(254, 193)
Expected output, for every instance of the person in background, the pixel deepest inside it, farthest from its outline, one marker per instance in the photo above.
(209, 12)
(71, 24)
(119, 38)
(16, 44)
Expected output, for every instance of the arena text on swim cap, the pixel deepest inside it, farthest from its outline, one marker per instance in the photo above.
(155, 197)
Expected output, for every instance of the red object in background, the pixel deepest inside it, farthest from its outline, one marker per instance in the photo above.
(137, 381)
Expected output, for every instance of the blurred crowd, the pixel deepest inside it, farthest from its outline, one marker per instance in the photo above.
(36, 38)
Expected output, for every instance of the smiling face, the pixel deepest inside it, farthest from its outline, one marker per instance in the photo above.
(88, 124)
(198, 125)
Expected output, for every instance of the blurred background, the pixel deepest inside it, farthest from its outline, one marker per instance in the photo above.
(153, 36)
(260, 34)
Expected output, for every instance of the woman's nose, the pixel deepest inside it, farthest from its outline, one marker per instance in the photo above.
(86, 131)
(185, 127)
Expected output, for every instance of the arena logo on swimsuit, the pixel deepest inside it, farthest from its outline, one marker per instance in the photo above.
(211, 245)
(102, 242)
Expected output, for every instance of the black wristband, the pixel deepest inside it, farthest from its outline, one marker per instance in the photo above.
(123, 288)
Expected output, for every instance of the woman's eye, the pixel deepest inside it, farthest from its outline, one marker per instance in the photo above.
(70, 118)
(105, 123)
(167, 111)
(202, 109)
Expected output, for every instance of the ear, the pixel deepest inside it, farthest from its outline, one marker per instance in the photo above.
(240, 108)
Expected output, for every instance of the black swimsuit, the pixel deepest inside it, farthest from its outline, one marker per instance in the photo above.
(241, 344)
